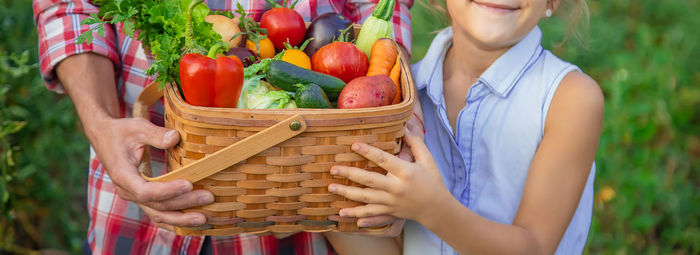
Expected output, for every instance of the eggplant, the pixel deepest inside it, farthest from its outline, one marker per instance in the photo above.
(244, 54)
(326, 28)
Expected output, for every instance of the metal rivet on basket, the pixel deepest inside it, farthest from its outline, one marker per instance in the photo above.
(296, 125)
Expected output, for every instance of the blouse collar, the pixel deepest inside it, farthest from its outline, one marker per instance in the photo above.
(500, 77)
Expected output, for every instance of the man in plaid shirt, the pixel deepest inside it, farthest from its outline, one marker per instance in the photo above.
(127, 214)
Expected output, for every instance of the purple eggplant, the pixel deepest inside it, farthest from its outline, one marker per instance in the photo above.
(246, 55)
(324, 29)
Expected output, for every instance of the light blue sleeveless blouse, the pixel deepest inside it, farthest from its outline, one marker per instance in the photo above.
(486, 164)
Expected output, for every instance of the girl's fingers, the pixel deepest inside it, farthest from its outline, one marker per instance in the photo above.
(414, 126)
(364, 195)
(365, 211)
(405, 153)
(393, 231)
(364, 177)
(376, 221)
(418, 148)
(383, 159)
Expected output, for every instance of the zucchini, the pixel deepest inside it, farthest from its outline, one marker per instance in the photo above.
(377, 26)
(311, 96)
(285, 76)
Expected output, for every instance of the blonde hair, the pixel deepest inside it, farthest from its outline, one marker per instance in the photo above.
(577, 21)
(576, 12)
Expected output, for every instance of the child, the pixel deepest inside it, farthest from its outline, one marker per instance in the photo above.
(507, 162)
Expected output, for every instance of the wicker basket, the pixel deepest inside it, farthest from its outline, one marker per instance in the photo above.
(269, 169)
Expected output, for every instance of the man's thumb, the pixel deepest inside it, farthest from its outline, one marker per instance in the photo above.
(156, 136)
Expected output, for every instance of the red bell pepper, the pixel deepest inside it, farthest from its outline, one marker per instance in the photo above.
(210, 82)
(207, 80)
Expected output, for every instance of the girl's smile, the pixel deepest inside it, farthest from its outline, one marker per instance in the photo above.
(496, 7)
(495, 24)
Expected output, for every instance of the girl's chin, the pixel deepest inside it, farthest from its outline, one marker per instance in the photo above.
(487, 38)
(486, 33)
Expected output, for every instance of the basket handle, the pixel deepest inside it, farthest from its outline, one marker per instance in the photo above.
(223, 158)
(149, 96)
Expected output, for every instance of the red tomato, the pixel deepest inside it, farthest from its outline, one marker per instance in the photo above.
(340, 59)
(282, 24)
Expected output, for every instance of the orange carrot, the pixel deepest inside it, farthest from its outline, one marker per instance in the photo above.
(383, 57)
(394, 74)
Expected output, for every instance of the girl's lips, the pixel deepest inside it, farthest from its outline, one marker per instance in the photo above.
(496, 7)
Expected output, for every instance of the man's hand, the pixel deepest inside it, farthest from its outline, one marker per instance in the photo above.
(119, 142)
(123, 142)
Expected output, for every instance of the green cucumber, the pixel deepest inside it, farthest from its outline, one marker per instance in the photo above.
(285, 76)
(311, 96)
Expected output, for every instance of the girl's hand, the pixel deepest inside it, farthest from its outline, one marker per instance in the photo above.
(415, 125)
(403, 192)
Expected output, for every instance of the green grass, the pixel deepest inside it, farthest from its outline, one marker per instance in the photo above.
(644, 54)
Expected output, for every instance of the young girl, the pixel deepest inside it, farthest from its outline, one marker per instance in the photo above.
(506, 166)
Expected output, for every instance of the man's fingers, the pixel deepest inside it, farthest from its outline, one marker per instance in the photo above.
(383, 159)
(364, 177)
(188, 200)
(175, 218)
(364, 195)
(139, 190)
(136, 188)
(148, 192)
(159, 191)
(147, 133)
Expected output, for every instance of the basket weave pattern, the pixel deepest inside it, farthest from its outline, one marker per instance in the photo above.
(283, 188)
(267, 178)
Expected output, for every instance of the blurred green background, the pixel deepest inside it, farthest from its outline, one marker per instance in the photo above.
(644, 54)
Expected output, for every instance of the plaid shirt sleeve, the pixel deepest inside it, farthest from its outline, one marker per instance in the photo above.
(58, 25)
(362, 9)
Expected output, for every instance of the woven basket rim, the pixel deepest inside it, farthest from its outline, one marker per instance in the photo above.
(180, 102)
(316, 117)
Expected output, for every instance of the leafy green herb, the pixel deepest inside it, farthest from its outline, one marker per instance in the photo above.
(226, 13)
(252, 29)
(161, 28)
(262, 66)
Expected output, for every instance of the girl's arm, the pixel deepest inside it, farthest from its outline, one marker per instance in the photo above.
(556, 180)
(352, 243)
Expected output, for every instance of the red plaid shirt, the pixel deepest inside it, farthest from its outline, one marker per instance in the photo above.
(118, 226)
